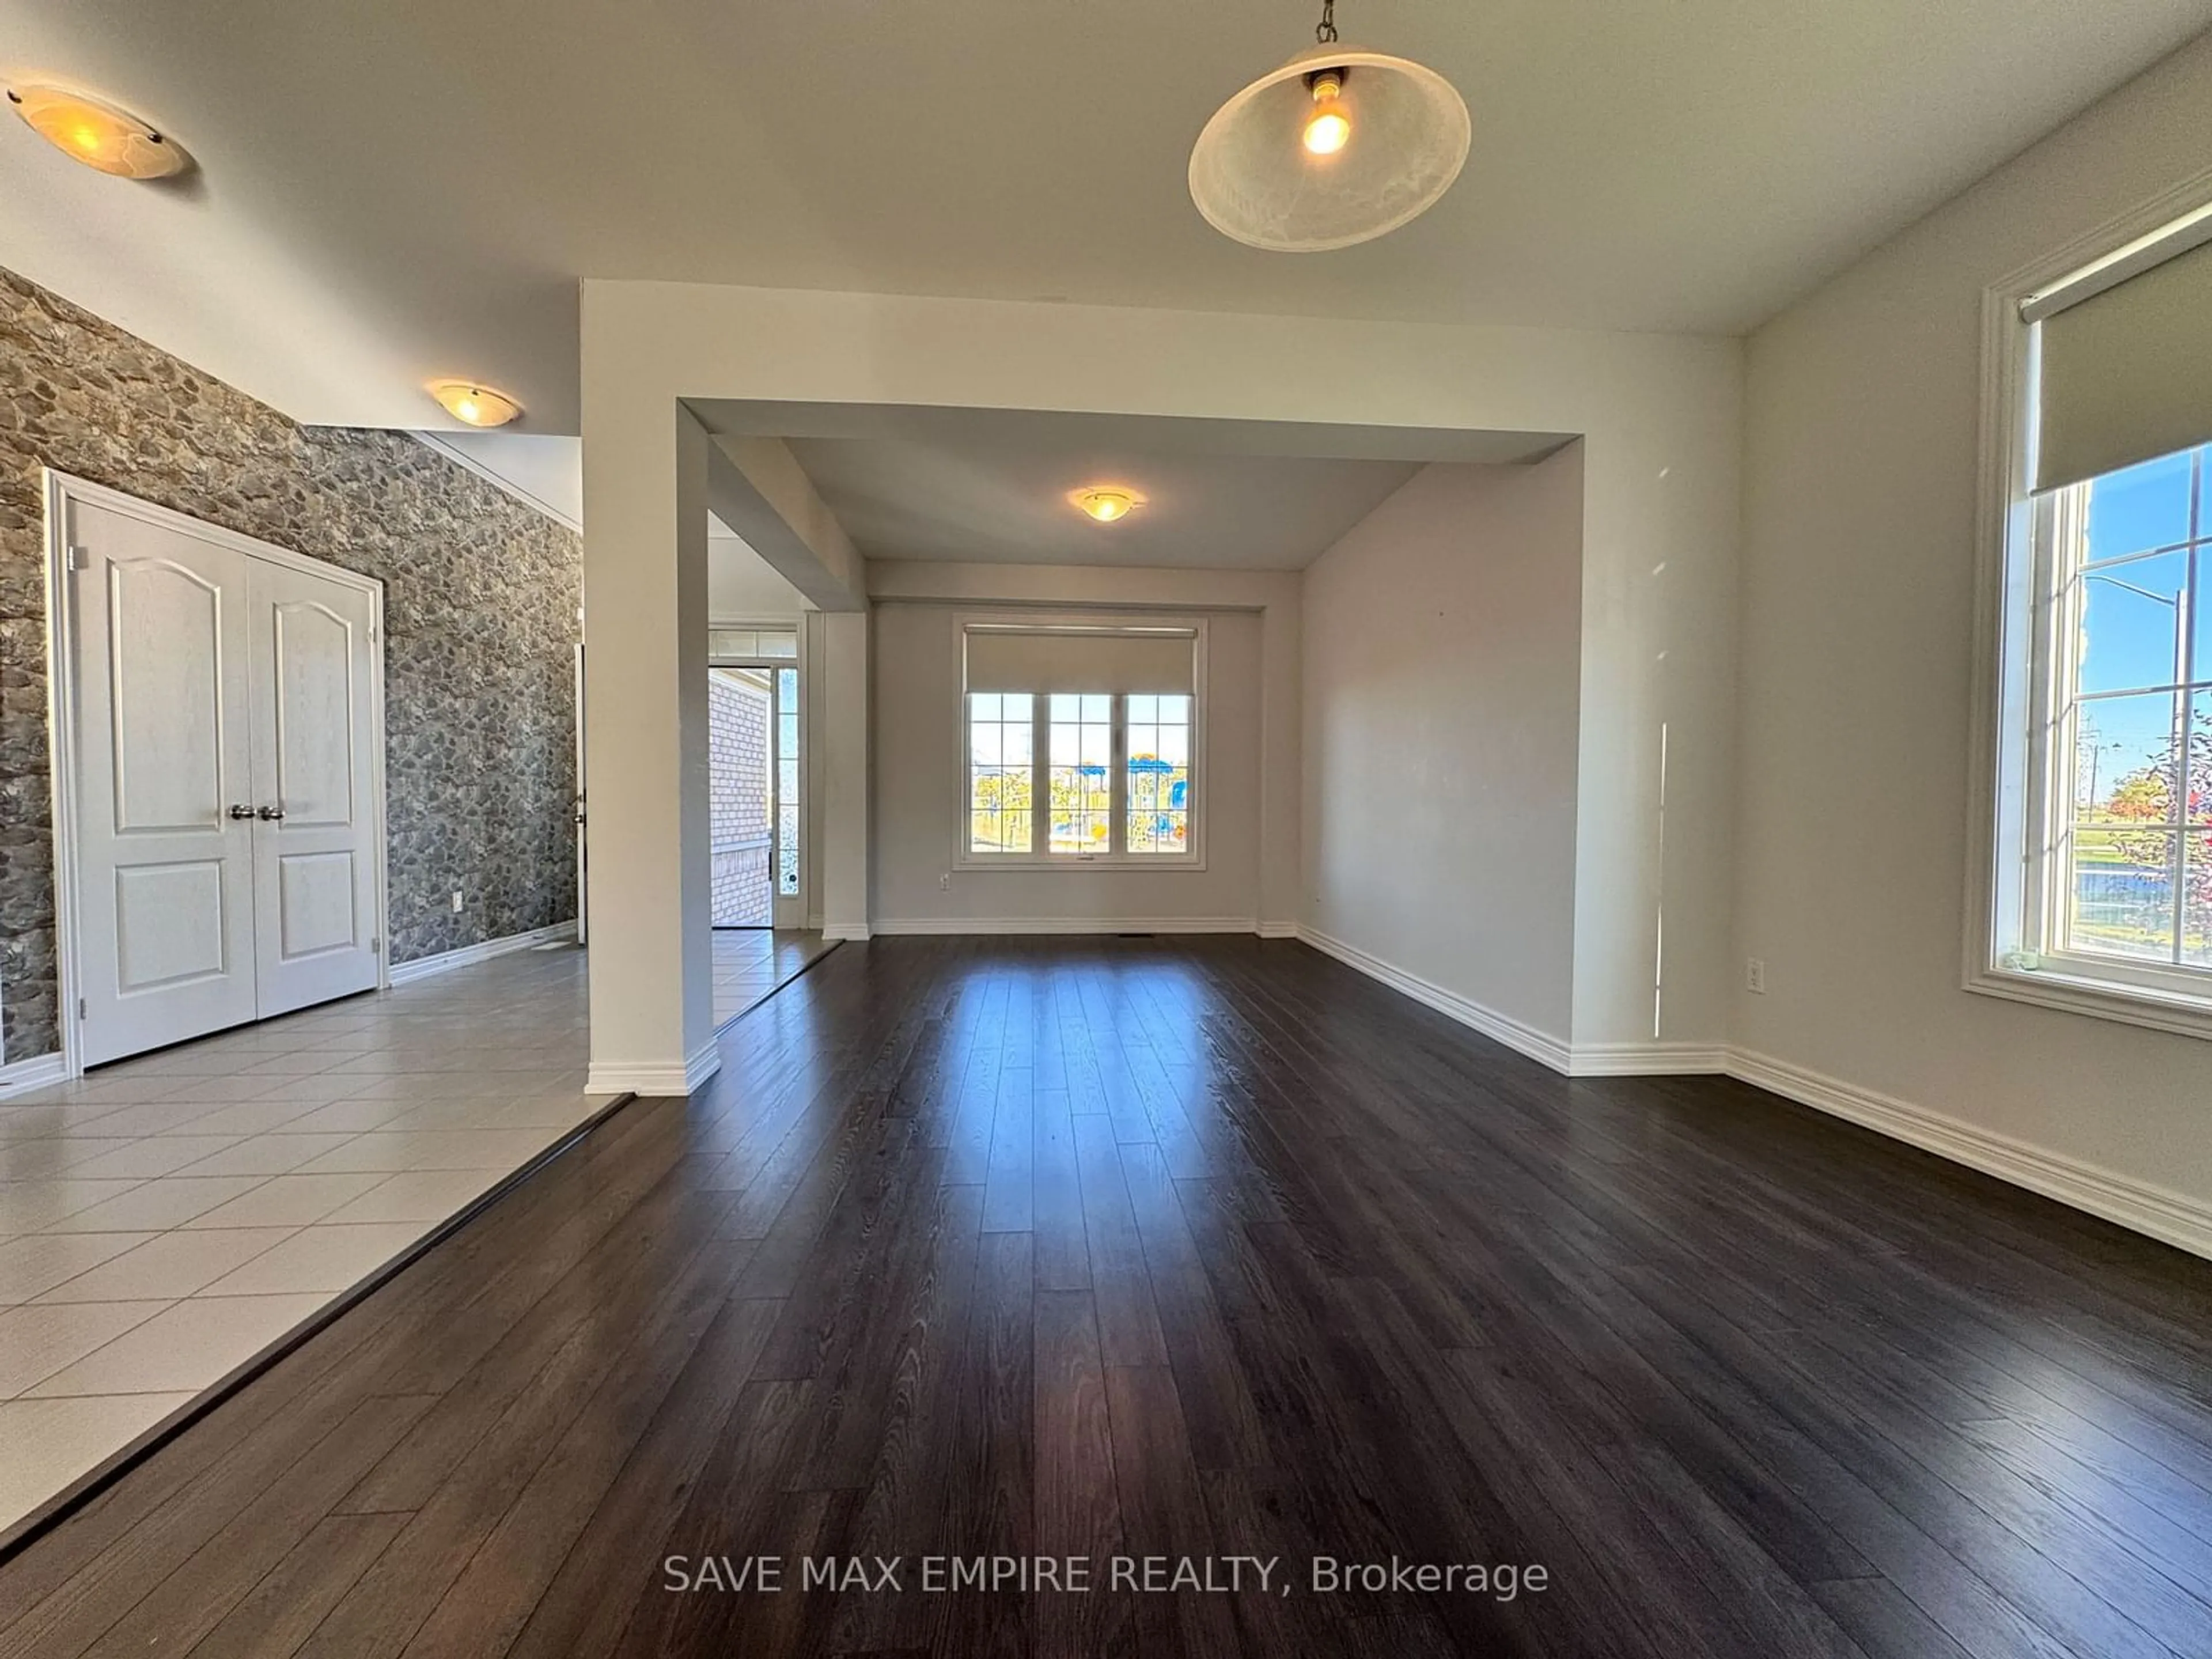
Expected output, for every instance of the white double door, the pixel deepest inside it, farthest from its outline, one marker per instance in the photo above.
(225, 733)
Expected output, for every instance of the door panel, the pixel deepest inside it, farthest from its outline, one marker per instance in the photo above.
(166, 902)
(169, 924)
(315, 689)
(166, 620)
(315, 902)
(313, 736)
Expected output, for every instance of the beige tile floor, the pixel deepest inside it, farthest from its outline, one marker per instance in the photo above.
(751, 962)
(164, 1221)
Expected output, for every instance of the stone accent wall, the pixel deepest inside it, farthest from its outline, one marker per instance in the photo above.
(738, 716)
(480, 613)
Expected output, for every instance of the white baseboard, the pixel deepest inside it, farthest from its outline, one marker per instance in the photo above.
(855, 931)
(1277, 930)
(405, 973)
(40, 1071)
(1067, 925)
(1522, 1038)
(660, 1080)
(702, 1063)
(1653, 1058)
(2173, 1217)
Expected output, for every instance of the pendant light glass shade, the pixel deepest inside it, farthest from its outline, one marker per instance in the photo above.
(1258, 175)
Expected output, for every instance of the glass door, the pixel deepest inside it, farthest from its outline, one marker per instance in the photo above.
(789, 776)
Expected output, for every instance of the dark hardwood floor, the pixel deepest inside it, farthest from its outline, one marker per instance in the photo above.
(1101, 1248)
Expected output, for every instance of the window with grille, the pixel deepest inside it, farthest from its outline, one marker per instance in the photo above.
(1080, 745)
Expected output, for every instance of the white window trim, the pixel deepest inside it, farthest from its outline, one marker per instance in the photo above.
(1192, 857)
(2014, 648)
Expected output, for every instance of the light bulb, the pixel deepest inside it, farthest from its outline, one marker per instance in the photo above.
(1327, 132)
(1328, 128)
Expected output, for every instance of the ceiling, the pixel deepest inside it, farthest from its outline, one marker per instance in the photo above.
(899, 498)
(991, 486)
(394, 190)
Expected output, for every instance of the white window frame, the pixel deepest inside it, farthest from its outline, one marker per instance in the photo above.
(2021, 683)
(1118, 857)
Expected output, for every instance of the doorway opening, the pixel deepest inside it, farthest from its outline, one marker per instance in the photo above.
(757, 794)
(756, 739)
(740, 727)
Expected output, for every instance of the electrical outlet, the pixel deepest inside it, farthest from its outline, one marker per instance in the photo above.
(945, 882)
(457, 904)
(1754, 974)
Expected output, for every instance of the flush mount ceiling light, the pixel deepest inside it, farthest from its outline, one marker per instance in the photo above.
(1340, 145)
(98, 134)
(1105, 502)
(478, 406)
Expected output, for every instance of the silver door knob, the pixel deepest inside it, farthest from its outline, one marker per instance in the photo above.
(242, 811)
(270, 814)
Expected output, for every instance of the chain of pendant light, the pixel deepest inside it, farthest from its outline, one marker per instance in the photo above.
(1325, 31)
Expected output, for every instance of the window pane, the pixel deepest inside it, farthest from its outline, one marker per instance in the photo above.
(2122, 893)
(2197, 785)
(999, 777)
(2140, 507)
(787, 849)
(1158, 778)
(786, 780)
(1081, 774)
(2131, 620)
(1144, 709)
(2126, 761)
(2196, 900)
(2202, 669)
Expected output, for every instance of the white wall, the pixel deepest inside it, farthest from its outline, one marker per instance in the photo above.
(743, 587)
(917, 793)
(1251, 759)
(1442, 688)
(1857, 637)
(841, 825)
(645, 735)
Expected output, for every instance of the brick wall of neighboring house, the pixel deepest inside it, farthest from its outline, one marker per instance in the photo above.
(738, 715)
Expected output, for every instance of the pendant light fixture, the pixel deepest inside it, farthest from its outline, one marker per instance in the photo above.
(1340, 145)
